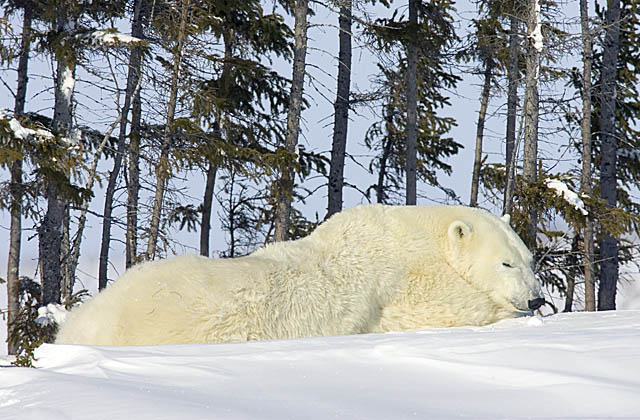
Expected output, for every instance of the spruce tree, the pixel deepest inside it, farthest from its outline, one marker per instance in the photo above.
(435, 74)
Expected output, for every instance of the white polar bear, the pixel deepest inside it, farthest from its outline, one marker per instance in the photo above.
(372, 268)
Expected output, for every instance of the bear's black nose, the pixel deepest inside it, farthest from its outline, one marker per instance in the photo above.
(536, 303)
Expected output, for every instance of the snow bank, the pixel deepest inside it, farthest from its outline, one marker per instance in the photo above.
(576, 365)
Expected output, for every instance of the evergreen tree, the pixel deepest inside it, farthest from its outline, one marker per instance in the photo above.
(620, 217)
(240, 108)
(487, 48)
(435, 74)
(15, 188)
(141, 10)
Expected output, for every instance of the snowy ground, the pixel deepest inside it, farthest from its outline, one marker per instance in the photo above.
(576, 365)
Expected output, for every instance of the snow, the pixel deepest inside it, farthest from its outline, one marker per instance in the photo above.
(536, 35)
(24, 133)
(75, 138)
(575, 365)
(52, 313)
(562, 190)
(104, 37)
(68, 83)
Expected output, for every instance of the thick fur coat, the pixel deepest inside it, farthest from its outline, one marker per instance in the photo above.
(368, 269)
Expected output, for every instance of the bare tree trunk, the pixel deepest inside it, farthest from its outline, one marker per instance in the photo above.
(412, 106)
(23, 62)
(206, 210)
(585, 180)
(50, 231)
(67, 267)
(531, 110)
(49, 247)
(341, 115)
(15, 190)
(162, 172)
(482, 115)
(232, 214)
(133, 86)
(286, 182)
(15, 241)
(572, 262)
(133, 184)
(608, 161)
(512, 105)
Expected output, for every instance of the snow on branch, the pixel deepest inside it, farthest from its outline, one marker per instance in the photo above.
(21, 132)
(562, 190)
(50, 314)
(110, 38)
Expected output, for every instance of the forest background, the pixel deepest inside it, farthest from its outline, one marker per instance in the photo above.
(218, 103)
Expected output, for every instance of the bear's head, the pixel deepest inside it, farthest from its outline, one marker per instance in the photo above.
(492, 259)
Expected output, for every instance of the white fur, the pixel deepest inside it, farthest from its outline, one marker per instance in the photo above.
(369, 269)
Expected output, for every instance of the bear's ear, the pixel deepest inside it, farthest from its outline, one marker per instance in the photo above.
(460, 231)
(506, 218)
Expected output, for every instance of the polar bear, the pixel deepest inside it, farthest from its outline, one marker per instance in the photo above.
(372, 268)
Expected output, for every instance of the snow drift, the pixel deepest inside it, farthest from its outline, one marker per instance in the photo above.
(576, 365)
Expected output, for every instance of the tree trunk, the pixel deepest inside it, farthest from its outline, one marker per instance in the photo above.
(412, 106)
(49, 247)
(67, 267)
(206, 210)
(608, 162)
(162, 171)
(512, 108)
(585, 180)
(232, 214)
(23, 62)
(572, 262)
(50, 231)
(15, 190)
(286, 182)
(133, 184)
(341, 115)
(482, 115)
(133, 86)
(13, 264)
(531, 110)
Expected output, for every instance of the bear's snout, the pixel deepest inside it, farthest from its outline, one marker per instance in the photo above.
(536, 303)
